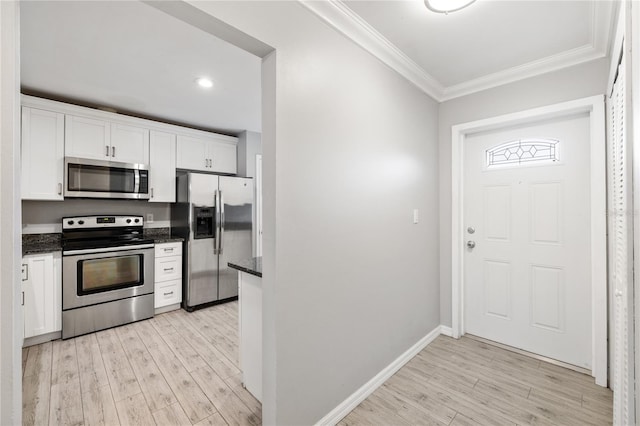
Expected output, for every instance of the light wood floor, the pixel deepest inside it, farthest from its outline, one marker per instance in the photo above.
(181, 368)
(467, 382)
(178, 368)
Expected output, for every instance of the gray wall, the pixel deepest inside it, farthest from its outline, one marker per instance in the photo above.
(249, 145)
(46, 216)
(572, 83)
(350, 283)
(11, 324)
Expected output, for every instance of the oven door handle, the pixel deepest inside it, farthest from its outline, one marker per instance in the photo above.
(108, 249)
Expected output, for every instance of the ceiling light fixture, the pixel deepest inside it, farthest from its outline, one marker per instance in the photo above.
(204, 82)
(446, 6)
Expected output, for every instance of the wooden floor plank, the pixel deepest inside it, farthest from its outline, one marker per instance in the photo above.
(155, 388)
(228, 404)
(98, 407)
(133, 410)
(64, 361)
(90, 365)
(193, 401)
(66, 404)
(36, 390)
(213, 420)
(189, 357)
(171, 415)
(39, 359)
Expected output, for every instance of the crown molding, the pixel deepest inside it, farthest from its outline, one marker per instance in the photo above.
(346, 21)
(562, 60)
(343, 19)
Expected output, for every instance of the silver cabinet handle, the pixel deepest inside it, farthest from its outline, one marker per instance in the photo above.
(107, 151)
(206, 162)
(168, 294)
(23, 298)
(59, 188)
(113, 151)
(170, 249)
(471, 244)
(151, 192)
(168, 269)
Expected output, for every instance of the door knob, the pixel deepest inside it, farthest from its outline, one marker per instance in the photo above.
(471, 244)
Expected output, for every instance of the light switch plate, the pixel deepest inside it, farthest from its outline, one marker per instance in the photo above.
(415, 215)
(149, 217)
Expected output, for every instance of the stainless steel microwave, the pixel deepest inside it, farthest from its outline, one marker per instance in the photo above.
(105, 179)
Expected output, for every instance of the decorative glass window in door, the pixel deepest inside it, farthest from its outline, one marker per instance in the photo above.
(523, 152)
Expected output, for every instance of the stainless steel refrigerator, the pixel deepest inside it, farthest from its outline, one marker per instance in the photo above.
(214, 216)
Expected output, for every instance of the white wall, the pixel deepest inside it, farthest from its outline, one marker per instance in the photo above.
(564, 85)
(350, 282)
(11, 328)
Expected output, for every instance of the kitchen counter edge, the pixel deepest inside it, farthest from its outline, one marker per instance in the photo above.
(251, 266)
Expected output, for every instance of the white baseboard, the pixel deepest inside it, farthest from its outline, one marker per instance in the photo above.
(346, 406)
(446, 331)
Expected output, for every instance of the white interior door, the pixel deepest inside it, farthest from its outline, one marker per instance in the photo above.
(527, 281)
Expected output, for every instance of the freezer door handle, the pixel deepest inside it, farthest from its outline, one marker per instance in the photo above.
(222, 223)
(216, 233)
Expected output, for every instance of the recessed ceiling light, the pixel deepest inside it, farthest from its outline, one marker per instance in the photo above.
(446, 6)
(204, 82)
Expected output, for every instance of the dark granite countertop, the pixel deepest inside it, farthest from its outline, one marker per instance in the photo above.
(48, 243)
(251, 266)
(161, 235)
(41, 243)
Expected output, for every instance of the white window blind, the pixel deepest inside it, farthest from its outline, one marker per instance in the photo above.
(621, 251)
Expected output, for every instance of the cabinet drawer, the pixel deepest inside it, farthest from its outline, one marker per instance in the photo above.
(168, 249)
(168, 268)
(168, 293)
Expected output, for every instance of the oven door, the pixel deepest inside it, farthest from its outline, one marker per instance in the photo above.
(89, 278)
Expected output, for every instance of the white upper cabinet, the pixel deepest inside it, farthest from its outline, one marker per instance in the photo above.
(207, 154)
(129, 144)
(87, 138)
(192, 154)
(54, 130)
(224, 157)
(162, 167)
(42, 154)
(104, 140)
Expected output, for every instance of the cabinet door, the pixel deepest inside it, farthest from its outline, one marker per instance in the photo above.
(42, 154)
(129, 144)
(87, 138)
(42, 294)
(223, 157)
(191, 154)
(162, 167)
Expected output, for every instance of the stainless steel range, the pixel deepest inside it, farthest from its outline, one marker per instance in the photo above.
(107, 273)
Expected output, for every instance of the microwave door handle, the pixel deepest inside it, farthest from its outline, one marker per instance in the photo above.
(136, 181)
(222, 223)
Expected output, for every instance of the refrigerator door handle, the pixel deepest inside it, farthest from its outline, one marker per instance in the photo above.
(216, 200)
(222, 223)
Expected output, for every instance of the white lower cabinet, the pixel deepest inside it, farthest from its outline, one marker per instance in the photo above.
(42, 293)
(250, 332)
(168, 276)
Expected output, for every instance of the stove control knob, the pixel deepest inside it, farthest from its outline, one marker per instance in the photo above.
(70, 222)
(137, 220)
(128, 220)
(81, 222)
